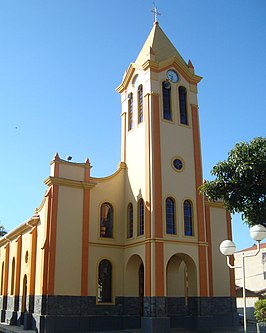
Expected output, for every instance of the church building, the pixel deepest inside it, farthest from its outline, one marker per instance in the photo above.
(136, 249)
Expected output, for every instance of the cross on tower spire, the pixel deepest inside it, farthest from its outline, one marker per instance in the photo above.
(155, 13)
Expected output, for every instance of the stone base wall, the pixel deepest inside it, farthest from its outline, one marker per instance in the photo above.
(65, 314)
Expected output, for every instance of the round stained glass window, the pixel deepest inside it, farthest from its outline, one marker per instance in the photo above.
(178, 164)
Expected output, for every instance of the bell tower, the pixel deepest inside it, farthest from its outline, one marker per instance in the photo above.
(160, 145)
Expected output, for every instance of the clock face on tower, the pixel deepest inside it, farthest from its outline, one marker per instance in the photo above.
(172, 75)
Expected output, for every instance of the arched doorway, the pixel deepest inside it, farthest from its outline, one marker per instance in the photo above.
(105, 282)
(24, 298)
(24, 294)
(134, 282)
(181, 282)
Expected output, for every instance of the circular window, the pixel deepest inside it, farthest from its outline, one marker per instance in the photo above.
(178, 164)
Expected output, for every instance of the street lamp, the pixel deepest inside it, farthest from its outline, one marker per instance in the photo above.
(228, 248)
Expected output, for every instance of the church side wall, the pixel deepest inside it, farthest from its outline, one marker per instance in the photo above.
(22, 254)
(219, 232)
(109, 190)
(69, 241)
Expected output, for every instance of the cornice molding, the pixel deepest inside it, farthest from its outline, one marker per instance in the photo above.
(216, 204)
(24, 227)
(68, 182)
(143, 241)
(49, 181)
(121, 166)
(181, 67)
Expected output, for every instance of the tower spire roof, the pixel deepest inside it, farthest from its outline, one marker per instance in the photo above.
(157, 53)
(157, 47)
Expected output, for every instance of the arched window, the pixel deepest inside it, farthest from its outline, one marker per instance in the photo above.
(183, 105)
(130, 111)
(129, 220)
(13, 277)
(170, 215)
(167, 112)
(140, 104)
(140, 217)
(106, 220)
(105, 282)
(188, 218)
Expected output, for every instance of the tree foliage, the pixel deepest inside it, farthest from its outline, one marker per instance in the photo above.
(241, 181)
(3, 231)
(260, 310)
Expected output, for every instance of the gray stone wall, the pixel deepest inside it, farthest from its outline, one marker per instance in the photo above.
(56, 314)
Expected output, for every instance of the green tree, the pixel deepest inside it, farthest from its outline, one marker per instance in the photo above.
(241, 181)
(3, 231)
(260, 310)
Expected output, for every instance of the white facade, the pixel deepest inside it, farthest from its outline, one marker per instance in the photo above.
(255, 269)
(255, 277)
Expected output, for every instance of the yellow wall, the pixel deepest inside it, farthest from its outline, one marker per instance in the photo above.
(69, 241)
(221, 277)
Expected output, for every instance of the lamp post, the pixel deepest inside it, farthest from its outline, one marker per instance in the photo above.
(228, 248)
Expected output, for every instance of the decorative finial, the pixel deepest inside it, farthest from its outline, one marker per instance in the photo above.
(155, 13)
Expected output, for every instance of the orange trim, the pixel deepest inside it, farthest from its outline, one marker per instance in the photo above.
(7, 248)
(199, 201)
(148, 169)
(159, 268)
(203, 271)
(157, 183)
(18, 265)
(231, 271)
(46, 245)
(147, 267)
(229, 226)
(209, 240)
(33, 261)
(198, 172)
(188, 76)
(156, 136)
(52, 240)
(87, 170)
(85, 243)
(56, 165)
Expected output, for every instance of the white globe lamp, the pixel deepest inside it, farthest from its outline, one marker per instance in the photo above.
(227, 247)
(257, 232)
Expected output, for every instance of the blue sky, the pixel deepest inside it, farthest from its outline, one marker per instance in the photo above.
(60, 62)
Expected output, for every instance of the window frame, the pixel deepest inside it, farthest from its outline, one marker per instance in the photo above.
(172, 223)
(140, 104)
(130, 220)
(141, 217)
(130, 111)
(167, 101)
(188, 224)
(103, 227)
(183, 106)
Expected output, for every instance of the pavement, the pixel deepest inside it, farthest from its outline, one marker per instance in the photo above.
(251, 328)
